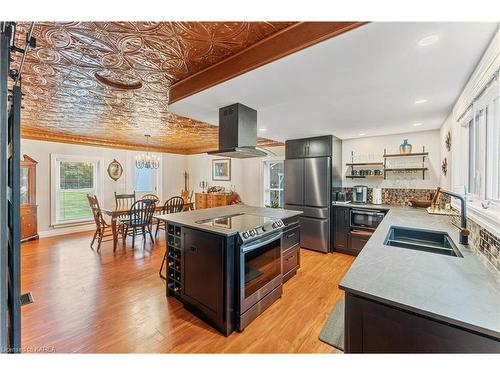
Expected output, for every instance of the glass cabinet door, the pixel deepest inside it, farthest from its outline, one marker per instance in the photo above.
(25, 185)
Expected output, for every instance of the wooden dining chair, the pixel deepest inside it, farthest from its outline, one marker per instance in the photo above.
(139, 219)
(173, 205)
(187, 195)
(156, 199)
(103, 229)
(151, 196)
(124, 201)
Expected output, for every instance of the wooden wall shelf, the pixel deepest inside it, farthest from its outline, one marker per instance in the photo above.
(383, 164)
(373, 177)
(364, 164)
(405, 169)
(423, 168)
(406, 155)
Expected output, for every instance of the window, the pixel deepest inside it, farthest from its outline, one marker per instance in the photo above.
(493, 151)
(483, 177)
(73, 179)
(274, 183)
(143, 180)
(474, 157)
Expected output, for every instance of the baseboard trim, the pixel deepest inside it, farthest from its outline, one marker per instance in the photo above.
(66, 230)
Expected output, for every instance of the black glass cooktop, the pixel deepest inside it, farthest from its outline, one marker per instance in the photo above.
(239, 222)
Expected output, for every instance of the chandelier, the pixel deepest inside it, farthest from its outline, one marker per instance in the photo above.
(147, 160)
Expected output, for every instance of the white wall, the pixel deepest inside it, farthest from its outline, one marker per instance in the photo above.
(445, 181)
(368, 146)
(170, 174)
(246, 175)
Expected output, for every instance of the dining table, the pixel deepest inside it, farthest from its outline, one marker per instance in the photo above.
(116, 213)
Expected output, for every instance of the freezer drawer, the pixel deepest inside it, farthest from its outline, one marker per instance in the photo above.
(314, 234)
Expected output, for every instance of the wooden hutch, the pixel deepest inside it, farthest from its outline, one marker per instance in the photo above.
(29, 225)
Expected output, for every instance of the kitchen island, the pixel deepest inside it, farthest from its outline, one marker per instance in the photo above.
(404, 300)
(227, 264)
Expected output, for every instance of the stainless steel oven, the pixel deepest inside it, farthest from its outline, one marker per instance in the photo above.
(260, 276)
(366, 219)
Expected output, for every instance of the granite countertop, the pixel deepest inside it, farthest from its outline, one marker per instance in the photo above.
(190, 218)
(460, 291)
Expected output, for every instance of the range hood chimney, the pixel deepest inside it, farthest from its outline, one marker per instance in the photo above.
(238, 132)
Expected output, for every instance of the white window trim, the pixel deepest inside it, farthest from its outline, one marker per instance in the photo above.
(54, 179)
(264, 189)
(487, 218)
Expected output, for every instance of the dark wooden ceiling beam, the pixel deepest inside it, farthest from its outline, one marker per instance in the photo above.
(285, 42)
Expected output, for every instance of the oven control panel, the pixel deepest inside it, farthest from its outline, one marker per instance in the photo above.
(261, 230)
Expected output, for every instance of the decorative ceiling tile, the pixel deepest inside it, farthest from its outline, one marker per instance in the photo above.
(107, 83)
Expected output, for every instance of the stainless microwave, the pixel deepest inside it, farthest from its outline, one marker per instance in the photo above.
(366, 219)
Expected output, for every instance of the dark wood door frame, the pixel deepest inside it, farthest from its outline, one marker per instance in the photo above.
(10, 241)
(4, 76)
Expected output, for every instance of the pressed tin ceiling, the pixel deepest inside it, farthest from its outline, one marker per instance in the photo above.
(75, 81)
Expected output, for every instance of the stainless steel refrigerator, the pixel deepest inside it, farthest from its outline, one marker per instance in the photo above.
(312, 172)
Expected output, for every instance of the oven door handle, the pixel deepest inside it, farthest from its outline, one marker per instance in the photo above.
(261, 242)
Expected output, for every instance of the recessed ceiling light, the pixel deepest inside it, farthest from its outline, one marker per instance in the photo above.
(420, 101)
(262, 129)
(361, 134)
(417, 124)
(428, 40)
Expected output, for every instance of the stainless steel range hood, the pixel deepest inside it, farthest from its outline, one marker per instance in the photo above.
(238, 132)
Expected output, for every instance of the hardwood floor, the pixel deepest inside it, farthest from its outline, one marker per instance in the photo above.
(115, 303)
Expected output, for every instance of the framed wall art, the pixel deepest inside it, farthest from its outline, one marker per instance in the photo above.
(221, 169)
(115, 170)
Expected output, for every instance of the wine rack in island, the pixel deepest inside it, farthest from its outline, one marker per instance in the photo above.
(174, 260)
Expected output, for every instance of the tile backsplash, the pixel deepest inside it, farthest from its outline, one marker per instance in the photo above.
(400, 197)
(484, 243)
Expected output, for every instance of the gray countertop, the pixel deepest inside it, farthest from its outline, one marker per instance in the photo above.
(190, 218)
(460, 291)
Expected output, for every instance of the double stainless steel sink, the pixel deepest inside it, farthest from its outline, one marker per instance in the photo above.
(422, 240)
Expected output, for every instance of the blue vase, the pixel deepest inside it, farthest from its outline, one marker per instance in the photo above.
(405, 147)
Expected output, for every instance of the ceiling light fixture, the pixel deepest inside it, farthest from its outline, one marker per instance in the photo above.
(361, 134)
(147, 160)
(420, 101)
(262, 129)
(428, 40)
(417, 124)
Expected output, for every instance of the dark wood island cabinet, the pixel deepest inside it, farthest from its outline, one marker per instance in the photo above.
(375, 327)
(226, 277)
(201, 274)
(290, 245)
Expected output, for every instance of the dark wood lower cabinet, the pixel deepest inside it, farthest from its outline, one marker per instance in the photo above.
(290, 258)
(341, 228)
(345, 239)
(358, 240)
(373, 327)
(208, 277)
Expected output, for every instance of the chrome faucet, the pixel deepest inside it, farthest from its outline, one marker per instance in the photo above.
(464, 232)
